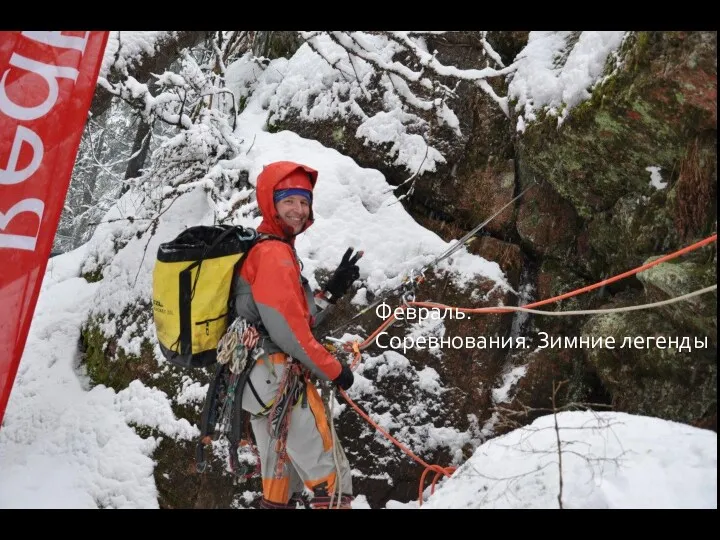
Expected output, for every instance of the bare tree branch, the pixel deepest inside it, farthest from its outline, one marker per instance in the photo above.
(430, 71)
(556, 387)
(142, 66)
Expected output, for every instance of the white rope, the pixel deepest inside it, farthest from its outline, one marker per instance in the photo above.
(577, 312)
(331, 421)
(610, 310)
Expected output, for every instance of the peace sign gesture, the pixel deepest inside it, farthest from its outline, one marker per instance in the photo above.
(343, 277)
(347, 261)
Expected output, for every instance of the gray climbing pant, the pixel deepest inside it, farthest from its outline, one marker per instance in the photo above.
(305, 457)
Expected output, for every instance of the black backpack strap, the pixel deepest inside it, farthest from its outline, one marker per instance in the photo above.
(237, 423)
(254, 238)
(262, 237)
(208, 417)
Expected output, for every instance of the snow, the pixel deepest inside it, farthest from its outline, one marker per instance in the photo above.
(553, 79)
(66, 445)
(656, 180)
(609, 461)
(131, 44)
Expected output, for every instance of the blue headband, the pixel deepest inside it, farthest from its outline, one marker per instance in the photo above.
(283, 193)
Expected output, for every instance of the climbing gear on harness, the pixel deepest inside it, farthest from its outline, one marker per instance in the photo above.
(336, 499)
(236, 345)
(290, 391)
(223, 416)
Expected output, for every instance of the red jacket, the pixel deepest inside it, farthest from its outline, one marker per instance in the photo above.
(270, 291)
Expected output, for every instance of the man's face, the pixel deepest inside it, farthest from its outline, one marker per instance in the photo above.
(293, 211)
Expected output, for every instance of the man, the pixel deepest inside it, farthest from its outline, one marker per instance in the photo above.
(287, 414)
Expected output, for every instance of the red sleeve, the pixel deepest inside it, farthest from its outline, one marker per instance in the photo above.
(274, 277)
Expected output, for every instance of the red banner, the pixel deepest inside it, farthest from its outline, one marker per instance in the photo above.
(47, 82)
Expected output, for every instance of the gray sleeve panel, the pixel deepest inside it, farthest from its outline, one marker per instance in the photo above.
(245, 306)
(281, 334)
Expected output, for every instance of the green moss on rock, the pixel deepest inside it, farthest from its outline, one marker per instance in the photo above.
(633, 228)
(645, 379)
(677, 277)
(93, 276)
(112, 366)
(648, 112)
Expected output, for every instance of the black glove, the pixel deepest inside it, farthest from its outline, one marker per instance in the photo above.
(346, 378)
(343, 277)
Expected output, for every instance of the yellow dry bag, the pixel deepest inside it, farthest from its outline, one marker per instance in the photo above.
(192, 283)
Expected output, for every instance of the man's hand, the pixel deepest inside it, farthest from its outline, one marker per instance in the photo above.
(346, 378)
(343, 277)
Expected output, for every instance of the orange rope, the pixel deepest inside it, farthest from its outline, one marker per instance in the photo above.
(597, 285)
(355, 347)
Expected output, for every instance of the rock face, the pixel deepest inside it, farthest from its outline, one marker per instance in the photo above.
(657, 112)
(659, 379)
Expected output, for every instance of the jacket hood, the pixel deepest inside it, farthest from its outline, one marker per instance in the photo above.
(270, 177)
